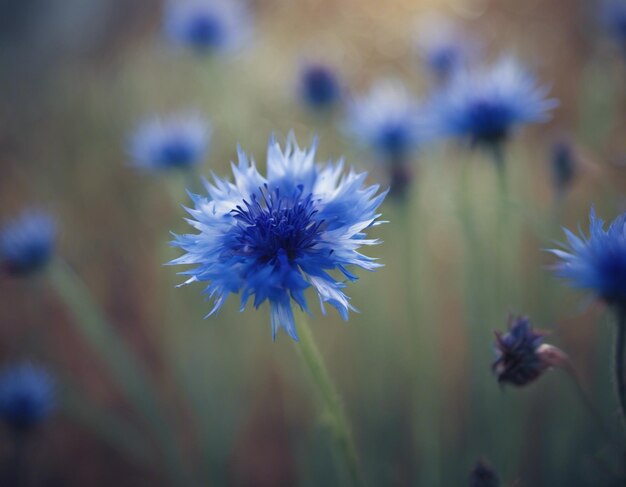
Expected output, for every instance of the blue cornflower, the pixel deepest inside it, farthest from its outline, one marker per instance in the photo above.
(521, 357)
(596, 262)
(442, 46)
(26, 396)
(27, 242)
(385, 119)
(485, 106)
(208, 26)
(273, 237)
(319, 86)
(175, 142)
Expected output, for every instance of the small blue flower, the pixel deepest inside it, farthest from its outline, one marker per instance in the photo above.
(27, 242)
(175, 142)
(520, 358)
(485, 106)
(319, 86)
(596, 262)
(387, 119)
(208, 26)
(442, 46)
(273, 237)
(26, 396)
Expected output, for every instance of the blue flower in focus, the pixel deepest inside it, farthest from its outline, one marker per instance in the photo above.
(270, 238)
(319, 86)
(485, 106)
(27, 242)
(386, 119)
(596, 262)
(442, 46)
(208, 26)
(26, 396)
(176, 142)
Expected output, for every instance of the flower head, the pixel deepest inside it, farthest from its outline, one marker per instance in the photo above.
(319, 86)
(521, 357)
(27, 242)
(596, 262)
(386, 119)
(270, 238)
(485, 106)
(442, 46)
(175, 142)
(483, 475)
(26, 396)
(208, 26)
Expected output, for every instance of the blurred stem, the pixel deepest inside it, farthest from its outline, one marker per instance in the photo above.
(330, 399)
(424, 366)
(591, 409)
(619, 361)
(127, 371)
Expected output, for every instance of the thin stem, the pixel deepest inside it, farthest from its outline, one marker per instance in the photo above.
(123, 365)
(331, 401)
(619, 361)
(591, 409)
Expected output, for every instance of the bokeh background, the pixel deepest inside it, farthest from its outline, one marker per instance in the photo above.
(77, 75)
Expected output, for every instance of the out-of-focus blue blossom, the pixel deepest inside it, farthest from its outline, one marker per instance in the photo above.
(442, 45)
(174, 142)
(521, 357)
(27, 242)
(26, 396)
(613, 16)
(483, 475)
(208, 26)
(319, 86)
(486, 105)
(564, 165)
(273, 237)
(596, 262)
(386, 119)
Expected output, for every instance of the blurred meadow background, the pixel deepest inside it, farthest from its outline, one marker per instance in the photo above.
(216, 401)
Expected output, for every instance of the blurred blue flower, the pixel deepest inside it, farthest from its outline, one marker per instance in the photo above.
(564, 165)
(208, 26)
(27, 242)
(483, 475)
(273, 237)
(319, 86)
(386, 119)
(442, 45)
(613, 16)
(26, 396)
(596, 262)
(175, 142)
(521, 357)
(486, 105)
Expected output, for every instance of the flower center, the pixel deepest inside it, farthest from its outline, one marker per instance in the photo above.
(276, 227)
(206, 31)
(489, 121)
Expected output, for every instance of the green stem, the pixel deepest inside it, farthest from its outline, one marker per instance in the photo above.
(619, 364)
(331, 401)
(123, 365)
(424, 361)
